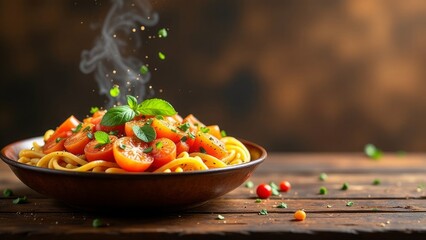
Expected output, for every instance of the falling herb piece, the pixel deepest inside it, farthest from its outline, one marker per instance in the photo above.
(7, 192)
(349, 204)
(263, 212)
(249, 184)
(345, 186)
(161, 56)
(20, 200)
(323, 176)
(258, 200)
(323, 191)
(97, 223)
(223, 133)
(220, 217)
(274, 185)
(162, 33)
(376, 181)
(282, 205)
(275, 192)
(93, 110)
(372, 152)
(114, 91)
(144, 70)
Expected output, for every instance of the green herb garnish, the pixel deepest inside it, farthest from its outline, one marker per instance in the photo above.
(122, 146)
(323, 176)
(275, 192)
(119, 115)
(376, 181)
(273, 185)
(114, 91)
(249, 184)
(258, 200)
(144, 70)
(372, 152)
(20, 200)
(58, 139)
(204, 129)
(102, 138)
(89, 135)
(349, 204)
(7, 192)
(282, 205)
(191, 135)
(145, 133)
(323, 191)
(78, 128)
(159, 145)
(345, 186)
(162, 33)
(93, 110)
(159, 117)
(202, 150)
(184, 138)
(97, 223)
(220, 217)
(147, 150)
(223, 133)
(161, 56)
(184, 127)
(263, 212)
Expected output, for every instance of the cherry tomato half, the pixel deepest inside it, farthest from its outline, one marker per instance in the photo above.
(77, 141)
(95, 152)
(57, 143)
(68, 125)
(285, 186)
(129, 154)
(163, 151)
(264, 190)
(205, 142)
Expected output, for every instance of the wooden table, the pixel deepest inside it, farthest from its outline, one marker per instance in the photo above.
(396, 208)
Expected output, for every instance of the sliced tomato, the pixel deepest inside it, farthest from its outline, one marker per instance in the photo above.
(128, 126)
(163, 151)
(129, 154)
(105, 152)
(174, 119)
(205, 142)
(215, 131)
(165, 129)
(57, 143)
(116, 130)
(77, 141)
(181, 147)
(68, 125)
(99, 113)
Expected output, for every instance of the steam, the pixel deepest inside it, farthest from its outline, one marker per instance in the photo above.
(110, 58)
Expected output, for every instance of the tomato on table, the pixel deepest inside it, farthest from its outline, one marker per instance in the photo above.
(129, 153)
(77, 141)
(104, 152)
(67, 126)
(285, 186)
(163, 151)
(264, 190)
(207, 143)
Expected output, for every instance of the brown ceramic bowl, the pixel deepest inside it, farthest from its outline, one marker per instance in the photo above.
(170, 191)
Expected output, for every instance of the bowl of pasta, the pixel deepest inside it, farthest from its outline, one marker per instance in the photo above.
(147, 160)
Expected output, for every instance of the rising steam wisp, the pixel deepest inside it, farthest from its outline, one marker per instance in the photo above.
(108, 58)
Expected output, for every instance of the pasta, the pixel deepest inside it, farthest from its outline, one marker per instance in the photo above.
(143, 143)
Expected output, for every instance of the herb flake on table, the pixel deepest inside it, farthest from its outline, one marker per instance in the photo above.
(345, 186)
(7, 192)
(20, 200)
(372, 152)
(376, 182)
(282, 205)
(220, 217)
(258, 200)
(249, 184)
(97, 222)
(263, 212)
(323, 176)
(349, 204)
(323, 191)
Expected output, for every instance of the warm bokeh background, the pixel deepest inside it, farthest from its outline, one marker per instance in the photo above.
(291, 75)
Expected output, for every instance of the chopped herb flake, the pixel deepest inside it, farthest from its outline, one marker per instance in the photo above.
(162, 33)
(147, 150)
(249, 184)
(349, 204)
(144, 69)
(90, 135)
(58, 139)
(7, 192)
(323, 176)
(258, 200)
(275, 192)
(376, 181)
(220, 217)
(184, 138)
(202, 150)
(372, 152)
(122, 146)
(184, 127)
(161, 56)
(20, 200)
(204, 129)
(274, 185)
(191, 135)
(282, 205)
(97, 223)
(77, 129)
(159, 145)
(263, 212)
(323, 191)
(114, 91)
(223, 133)
(93, 110)
(345, 186)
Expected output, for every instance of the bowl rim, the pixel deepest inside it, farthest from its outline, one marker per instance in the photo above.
(17, 164)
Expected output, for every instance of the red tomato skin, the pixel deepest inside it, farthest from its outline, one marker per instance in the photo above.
(285, 186)
(264, 191)
(103, 153)
(163, 155)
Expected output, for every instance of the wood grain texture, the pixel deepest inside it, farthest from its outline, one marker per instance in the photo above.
(396, 208)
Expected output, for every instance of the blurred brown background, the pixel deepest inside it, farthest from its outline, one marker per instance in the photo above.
(290, 75)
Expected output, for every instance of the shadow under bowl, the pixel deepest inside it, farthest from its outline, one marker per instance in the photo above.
(165, 191)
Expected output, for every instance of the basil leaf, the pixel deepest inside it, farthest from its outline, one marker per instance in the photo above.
(102, 137)
(156, 106)
(145, 133)
(118, 115)
(132, 102)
